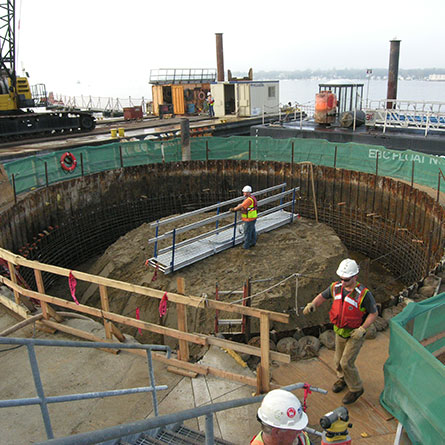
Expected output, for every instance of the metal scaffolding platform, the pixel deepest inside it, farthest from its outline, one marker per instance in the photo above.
(187, 252)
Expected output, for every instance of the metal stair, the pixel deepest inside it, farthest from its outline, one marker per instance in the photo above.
(179, 435)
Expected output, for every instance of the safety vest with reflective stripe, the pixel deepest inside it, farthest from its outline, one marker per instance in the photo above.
(251, 213)
(347, 312)
(303, 439)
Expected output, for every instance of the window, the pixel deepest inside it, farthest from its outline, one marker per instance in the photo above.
(271, 91)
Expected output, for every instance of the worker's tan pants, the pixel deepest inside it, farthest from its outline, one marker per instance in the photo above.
(346, 351)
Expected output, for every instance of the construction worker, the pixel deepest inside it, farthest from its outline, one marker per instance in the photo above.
(282, 420)
(353, 311)
(211, 102)
(249, 215)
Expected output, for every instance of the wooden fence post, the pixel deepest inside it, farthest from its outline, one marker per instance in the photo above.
(105, 305)
(47, 310)
(181, 312)
(265, 349)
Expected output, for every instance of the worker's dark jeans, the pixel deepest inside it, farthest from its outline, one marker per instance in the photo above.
(249, 234)
(211, 111)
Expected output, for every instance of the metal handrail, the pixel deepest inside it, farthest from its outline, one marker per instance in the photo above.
(43, 400)
(121, 431)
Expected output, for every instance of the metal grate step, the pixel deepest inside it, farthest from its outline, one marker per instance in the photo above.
(180, 436)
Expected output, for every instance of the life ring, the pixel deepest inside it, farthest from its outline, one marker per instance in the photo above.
(201, 95)
(68, 161)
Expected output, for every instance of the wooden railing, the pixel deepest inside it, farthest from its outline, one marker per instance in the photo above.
(23, 306)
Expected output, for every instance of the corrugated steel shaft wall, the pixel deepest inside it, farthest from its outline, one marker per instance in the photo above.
(68, 223)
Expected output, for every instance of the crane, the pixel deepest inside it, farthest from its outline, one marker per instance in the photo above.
(16, 117)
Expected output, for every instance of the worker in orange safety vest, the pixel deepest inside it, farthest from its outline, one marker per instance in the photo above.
(282, 420)
(249, 209)
(353, 310)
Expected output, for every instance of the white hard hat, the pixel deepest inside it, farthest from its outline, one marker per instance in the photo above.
(247, 189)
(348, 268)
(209, 93)
(281, 409)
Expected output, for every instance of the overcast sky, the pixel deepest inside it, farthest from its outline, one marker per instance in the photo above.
(107, 47)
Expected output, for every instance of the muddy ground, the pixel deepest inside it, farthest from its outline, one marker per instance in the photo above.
(305, 247)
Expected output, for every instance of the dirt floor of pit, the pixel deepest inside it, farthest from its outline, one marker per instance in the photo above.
(311, 249)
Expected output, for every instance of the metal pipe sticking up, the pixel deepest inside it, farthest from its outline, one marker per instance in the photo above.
(393, 72)
(219, 57)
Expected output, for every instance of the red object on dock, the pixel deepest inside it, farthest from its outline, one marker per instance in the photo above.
(132, 113)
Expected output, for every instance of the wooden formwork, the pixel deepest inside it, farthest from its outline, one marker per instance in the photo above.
(24, 307)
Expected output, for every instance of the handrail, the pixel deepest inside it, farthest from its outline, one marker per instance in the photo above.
(120, 431)
(43, 401)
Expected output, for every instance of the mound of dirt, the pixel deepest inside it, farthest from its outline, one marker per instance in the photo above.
(312, 250)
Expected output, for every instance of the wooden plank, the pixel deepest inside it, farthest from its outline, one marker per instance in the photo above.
(181, 311)
(265, 350)
(434, 338)
(194, 338)
(47, 310)
(78, 333)
(117, 333)
(105, 307)
(14, 307)
(247, 349)
(183, 372)
(142, 290)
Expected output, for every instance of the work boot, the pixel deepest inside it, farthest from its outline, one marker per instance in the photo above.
(339, 385)
(351, 397)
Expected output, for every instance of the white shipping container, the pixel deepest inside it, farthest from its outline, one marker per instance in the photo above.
(246, 98)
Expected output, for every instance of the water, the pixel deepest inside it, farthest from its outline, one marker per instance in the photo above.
(304, 90)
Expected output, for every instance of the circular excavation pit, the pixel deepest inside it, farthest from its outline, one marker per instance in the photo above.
(395, 231)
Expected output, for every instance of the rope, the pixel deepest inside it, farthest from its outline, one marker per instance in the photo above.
(266, 290)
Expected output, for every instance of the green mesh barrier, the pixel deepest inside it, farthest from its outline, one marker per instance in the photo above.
(414, 390)
(30, 173)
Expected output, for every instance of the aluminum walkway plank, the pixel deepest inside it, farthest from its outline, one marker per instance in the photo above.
(213, 244)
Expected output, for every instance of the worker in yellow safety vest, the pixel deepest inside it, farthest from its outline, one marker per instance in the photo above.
(282, 420)
(249, 209)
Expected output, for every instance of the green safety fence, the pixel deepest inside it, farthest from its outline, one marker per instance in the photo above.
(414, 390)
(40, 170)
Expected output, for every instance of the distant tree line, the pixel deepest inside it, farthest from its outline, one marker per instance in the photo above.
(342, 73)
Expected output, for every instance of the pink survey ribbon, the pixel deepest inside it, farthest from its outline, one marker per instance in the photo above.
(72, 283)
(138, 317)
(163, 305)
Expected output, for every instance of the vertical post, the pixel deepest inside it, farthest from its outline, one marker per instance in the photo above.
(438, 188)
(185, 139)
(293, 206)
(377, 164)
(46, 173)
(265, 349)
(243, 317)
(335, 157)
(209, 440)
(412, 176)
(105, 307)
(120, 155)
(156, 242)
(13, 188)
(173, 250)
(14, 280)
(216, 310)
(181, 310)
(248, 304)
(234, 231)
(250, 150)
(293, 153)
(219, 56)
(217, 213)
(81, 164)
(207, 150)
(41, 289)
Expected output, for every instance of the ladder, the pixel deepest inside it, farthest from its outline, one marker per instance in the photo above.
(244, 321)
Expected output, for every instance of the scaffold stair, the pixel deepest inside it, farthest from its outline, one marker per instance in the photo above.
(179, 435)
